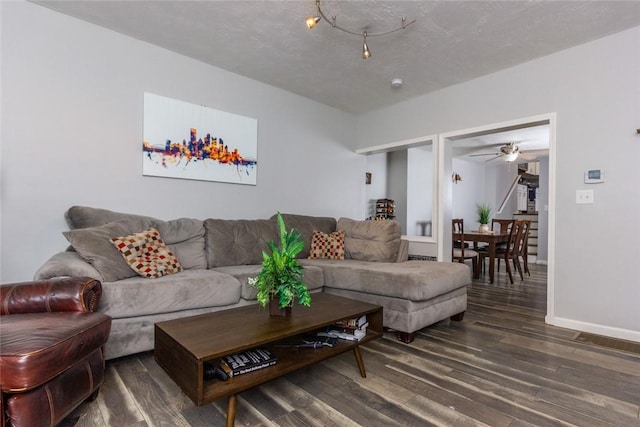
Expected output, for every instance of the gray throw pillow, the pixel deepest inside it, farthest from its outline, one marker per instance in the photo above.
(84, 217)
(93, 244)
(185, 238)
(239, 241)
(371, 240)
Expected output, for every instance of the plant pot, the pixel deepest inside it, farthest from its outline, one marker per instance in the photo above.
(276, 311)
(484, 228)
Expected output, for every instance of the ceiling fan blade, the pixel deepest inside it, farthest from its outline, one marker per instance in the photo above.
(538, 151)
(484, 154)
(493, 158)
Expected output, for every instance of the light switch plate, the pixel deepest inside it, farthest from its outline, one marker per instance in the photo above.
(584, 196)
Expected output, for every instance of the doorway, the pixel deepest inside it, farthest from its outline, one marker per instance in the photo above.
(466, 138)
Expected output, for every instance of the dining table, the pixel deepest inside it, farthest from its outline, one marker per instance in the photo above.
(492, 238)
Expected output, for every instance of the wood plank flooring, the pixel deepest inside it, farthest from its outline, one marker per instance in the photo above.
(501, 366)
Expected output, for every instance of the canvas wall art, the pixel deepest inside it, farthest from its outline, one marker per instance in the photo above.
(183, 140)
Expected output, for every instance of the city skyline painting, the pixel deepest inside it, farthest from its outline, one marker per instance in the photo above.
(188, 141)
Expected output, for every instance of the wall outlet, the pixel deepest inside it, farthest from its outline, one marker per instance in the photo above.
(584, 196)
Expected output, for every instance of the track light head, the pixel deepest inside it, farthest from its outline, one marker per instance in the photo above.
(312, 21)
(366, 53)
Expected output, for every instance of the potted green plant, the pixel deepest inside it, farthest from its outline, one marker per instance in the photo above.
(484, 213)
(279, 282)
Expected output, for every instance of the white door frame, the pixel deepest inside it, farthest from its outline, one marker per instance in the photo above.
(442, 151)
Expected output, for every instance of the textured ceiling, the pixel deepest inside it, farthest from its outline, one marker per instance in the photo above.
(451, 41)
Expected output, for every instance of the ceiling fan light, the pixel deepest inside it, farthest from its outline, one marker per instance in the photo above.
(510, 157)
(312, 21)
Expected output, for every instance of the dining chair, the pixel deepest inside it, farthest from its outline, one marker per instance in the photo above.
(510, 251)
(458, 251)
(523, 250)
(499, 226)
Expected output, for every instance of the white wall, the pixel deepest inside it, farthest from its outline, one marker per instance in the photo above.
(397, 185)
(420, 172)
(72, 109)
(595, 91)
(504, 175)
(377, 166)
(469, 192)
(543, 210)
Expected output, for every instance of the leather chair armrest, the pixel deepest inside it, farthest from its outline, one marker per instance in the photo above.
(60, 294)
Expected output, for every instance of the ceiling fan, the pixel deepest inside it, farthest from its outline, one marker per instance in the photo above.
(510, 151)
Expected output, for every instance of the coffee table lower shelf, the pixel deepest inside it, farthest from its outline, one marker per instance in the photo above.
(181, 350)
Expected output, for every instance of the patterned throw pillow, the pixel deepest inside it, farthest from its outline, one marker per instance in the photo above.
(147, 254)
(327, 246)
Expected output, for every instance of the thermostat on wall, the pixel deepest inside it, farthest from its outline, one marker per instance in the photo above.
(593, 176)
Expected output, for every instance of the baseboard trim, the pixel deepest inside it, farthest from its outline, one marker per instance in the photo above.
(541, 261)
(607, 331)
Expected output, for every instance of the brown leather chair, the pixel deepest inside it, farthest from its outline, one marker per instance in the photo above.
(51, 349)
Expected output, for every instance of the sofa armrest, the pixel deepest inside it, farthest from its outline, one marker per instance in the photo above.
(403, 251)
(67, 264)
(62, 294)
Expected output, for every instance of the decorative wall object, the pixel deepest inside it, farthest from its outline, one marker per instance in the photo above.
(188, 141)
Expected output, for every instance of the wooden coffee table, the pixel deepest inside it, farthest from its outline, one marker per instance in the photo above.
(183, 345)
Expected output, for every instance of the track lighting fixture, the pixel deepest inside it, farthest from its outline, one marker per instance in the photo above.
(311, 22)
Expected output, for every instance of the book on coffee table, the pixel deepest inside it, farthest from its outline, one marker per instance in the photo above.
(247, 361)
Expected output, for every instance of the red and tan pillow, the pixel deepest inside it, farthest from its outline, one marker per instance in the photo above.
(147, 254)
(327, 246)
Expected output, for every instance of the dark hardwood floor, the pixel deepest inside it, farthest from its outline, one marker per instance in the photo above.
(501, 366)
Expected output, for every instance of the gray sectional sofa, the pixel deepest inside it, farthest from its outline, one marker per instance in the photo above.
(218, 256)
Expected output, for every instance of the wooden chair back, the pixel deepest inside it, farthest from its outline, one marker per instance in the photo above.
(511, 250)
(503, 225)
(515, 237)
(524, 238)
(458, 251)
(457, 230)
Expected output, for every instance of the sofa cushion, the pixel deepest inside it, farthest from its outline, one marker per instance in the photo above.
(327, 246)
(69, 264)
(184, 236)
(411, 280)
(93, 244)
(238, 242)
(186, 290)
(147, 254)
(311, 276)
(84, 217)
(305, 225)
(371, 240)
